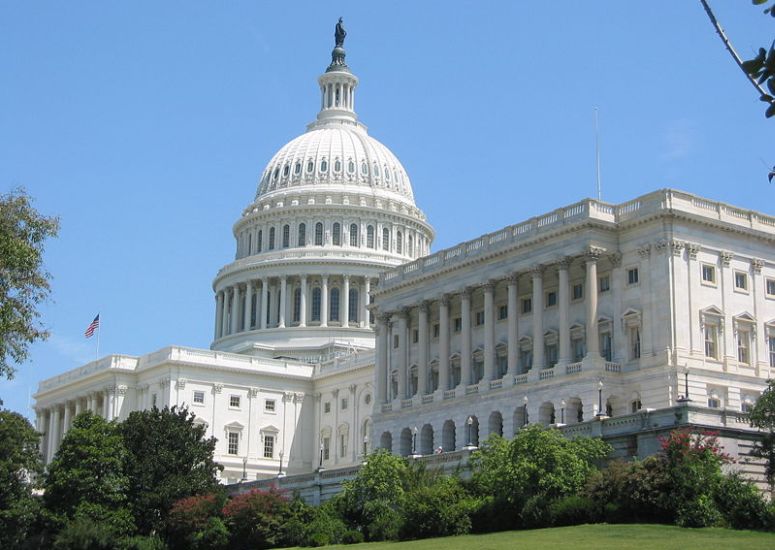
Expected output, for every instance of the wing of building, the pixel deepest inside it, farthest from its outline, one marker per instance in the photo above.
(615, 320)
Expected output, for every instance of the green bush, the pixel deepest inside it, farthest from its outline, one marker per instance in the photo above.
(255, 519)
(325, 528)
(741, 503)
(435, 511)
(142, 543)
(701, 512)
(571, 510)
(84, 534)
(535, 513)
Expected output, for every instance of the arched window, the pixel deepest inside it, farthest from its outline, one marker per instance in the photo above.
(316, 304)
(286, 236)
(319, 234)
(297, 168)
(260, 239)
(324, 165)
(365, 169)
(302, 234)
(310, 166)
(399, 242)
(334, 316)
(410, 246)
(271, 238)
(370, 236)
(286, 170)
(337, 166)
(353, 234)
(337, 238)
(296, 305)
(385, 239)
(351, 167)
(352, 314)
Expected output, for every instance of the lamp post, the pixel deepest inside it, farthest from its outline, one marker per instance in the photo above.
(280, 473)
(600, 412)
(365, 445)
(685, 397)
(245, 469)
(320, 465)
(414, 441)
(524, 416)
(562, 411)
(469, 423)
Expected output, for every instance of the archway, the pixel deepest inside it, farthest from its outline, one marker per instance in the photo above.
(546, 414)
(426, 440)
(405, 444)
(386, 441)
(448, 442)
(495, 423)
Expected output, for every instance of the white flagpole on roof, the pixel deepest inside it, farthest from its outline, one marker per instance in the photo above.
(99, 330)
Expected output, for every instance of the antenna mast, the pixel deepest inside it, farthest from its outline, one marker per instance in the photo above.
(597, 155)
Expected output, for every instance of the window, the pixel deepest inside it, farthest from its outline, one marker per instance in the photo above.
(353, 234)
(364, 169)
(527, 305)
(746, 405)
(396, 341)
(632, 276)
(578, 291)
(577, 345)
(296, 305)
(324, 165)
(337, 165)
(551, 355)
(741, 280)
(714, 399)
(711, 341)
(297, 168)
(199, 397)
(771, 347)
(634, 343)
(271, 238)
(551, 299)
(327, 407)
(415, 336)
(334, 315)
(319, 234)
(502, 363)
(458, 324)
(259, 240)
(385, 239)
(770, 287)
(342, 444)
(302, 234)
(744, 346)
(479, 320)
(326, 448)
(343, 404)
(436, 332)
(234, 401)
(268, 446)
(233, 443)
(286, 236)
(351, 167)
(636, 405)
(410, 246)
(269, 405)
(310, 166)
(604, 283)
(709, 274)
(606, 347)
(503, 312)
(337, 234)
(399, 242)
(316, 304)
(286, 170)
(352, 305)
(525, 360)
(370, 236)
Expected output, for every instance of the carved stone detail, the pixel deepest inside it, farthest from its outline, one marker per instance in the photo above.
(217, 388)
(692, 249)
(726, 258)
(615, 258)
(757, 265)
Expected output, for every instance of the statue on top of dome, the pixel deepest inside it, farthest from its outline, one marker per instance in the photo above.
(340, 34)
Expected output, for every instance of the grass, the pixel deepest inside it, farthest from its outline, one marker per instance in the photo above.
(592, 537)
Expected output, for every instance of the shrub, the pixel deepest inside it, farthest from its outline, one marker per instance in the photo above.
(142, 543)
(741, 504)
(571, 510)
(701, 512)
(535, 513)
(190, 525)
(326, 528)
(255, 519)
(84, 534)
(435, 510)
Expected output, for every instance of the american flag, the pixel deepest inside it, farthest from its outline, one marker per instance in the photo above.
(92, 327)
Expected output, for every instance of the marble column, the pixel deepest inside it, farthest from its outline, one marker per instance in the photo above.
(345, 313)
(264, 302)
(564, 307)
(66, 419)
(219, 315)
(234, 318)
(401, 351)
(422, 367)
(513, 328)
(465, 345)
(303, 301)
(324, 301)
(489, 332)
(365, 302)
(382, 357)
(538, 317)
(78, 406)
(444, 343)
(248, 305)
(593, 340)
(282, 301)
(111, 404)
(225, 312)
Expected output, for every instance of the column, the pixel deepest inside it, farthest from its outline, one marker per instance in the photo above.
(324, 301)
(422, 366)
(90, 403)
(402, 348)
(66, 419)
(282, 301)
(465, 345)
(225, 312)
(538, 317)
(234, 319)
(489, 332)
(382, 366)
(50, 434)
(110, 408)
(219, 314)
(444, 343)
(303, 302)
(264, 302)
(564, 299)
(365, 302)
(513, 312)
(647, 315)
(248, 305)
(593, 341)
(345, 313)
(78, 406)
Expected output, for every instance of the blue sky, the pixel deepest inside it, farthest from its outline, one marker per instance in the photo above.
(145, 126)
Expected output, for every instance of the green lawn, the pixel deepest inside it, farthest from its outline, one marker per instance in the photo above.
(594, 537)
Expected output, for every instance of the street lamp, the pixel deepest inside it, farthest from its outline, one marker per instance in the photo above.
(469, 423)
(414, 441)
(524, 416)
(365, 445)
(562, 411)
(685, 397)
(245, 469)
(280, 473)
(320, 465)
(600, 411)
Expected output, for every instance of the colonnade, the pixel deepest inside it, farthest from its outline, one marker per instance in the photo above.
(394, 331)
(299, 301)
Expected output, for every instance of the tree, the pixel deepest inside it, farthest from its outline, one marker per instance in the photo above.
(23, 282)
(762, 416)
(168, 459)
(19, 465)
(86, 480)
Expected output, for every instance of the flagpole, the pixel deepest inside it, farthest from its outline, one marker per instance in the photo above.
(99, 330)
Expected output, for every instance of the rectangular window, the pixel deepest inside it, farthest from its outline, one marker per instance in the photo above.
(635, 343)
(503, 312)
(327, 407)
(604, 283)
(395, 341)
(741, 280)
(632, 276)
(458, 324)
(577, 345)
(772, 351)
(606, 349)
(269, 405)
(708, 274)
(233, 443)
(744, 347)
(527, 305)
(711, 341)
(268, 446)
(479, 318)
(436, 330)
(326, 448)
(770, 287)
(343, 404)
(525, 360)
(199, 397)
(234, 401)
(551, 299)
(415, 336)
(342, 445)
(713, 401)
(578, 291)
(551, 355)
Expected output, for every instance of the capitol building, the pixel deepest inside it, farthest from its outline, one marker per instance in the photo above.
(336, 331)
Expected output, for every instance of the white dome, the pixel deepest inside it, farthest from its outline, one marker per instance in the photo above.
(336, 154)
